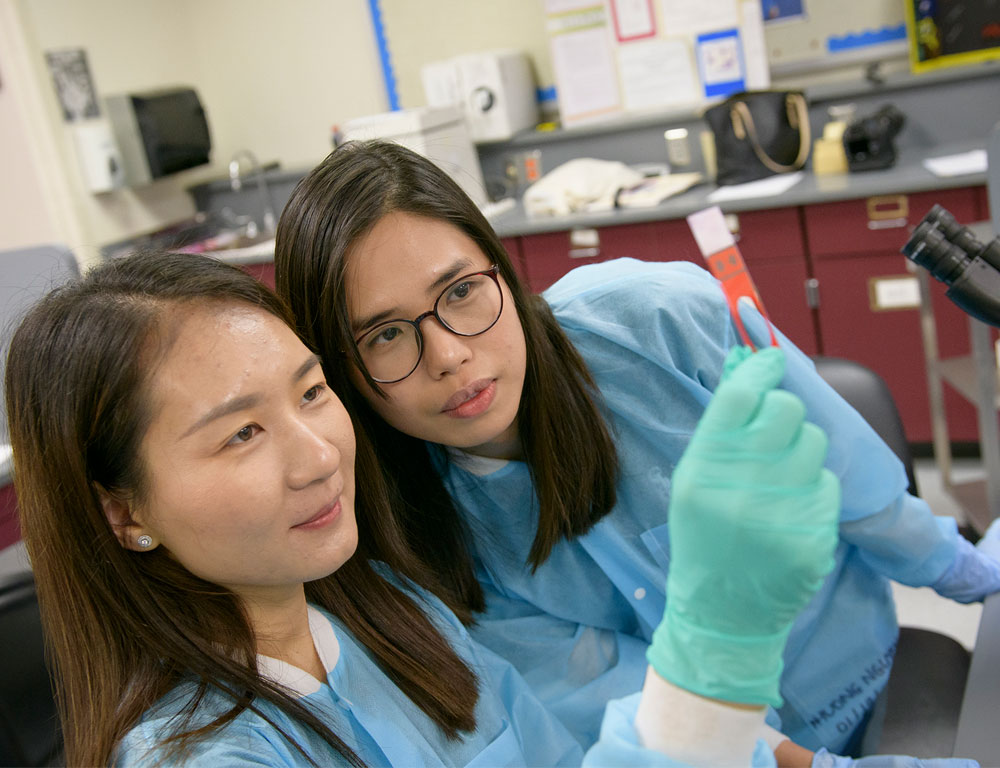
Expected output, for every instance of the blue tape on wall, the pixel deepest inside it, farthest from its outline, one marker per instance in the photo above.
(864, 39)
(384, 57)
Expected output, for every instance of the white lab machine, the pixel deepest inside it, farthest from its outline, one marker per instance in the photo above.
(438, 133)
(495, 89)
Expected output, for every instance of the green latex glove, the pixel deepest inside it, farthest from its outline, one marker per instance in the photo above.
(753, 528)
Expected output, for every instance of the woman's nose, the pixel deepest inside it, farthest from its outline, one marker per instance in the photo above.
(312, 456)
(444, 351)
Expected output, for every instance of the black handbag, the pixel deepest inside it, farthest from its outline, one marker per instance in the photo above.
(758, 134)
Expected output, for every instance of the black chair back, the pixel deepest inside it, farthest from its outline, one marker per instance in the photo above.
(868, 393)
(29, 723)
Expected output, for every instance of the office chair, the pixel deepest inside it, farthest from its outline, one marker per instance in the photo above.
(29, 723)
(917, 714)
(868, 393)
(27, 274)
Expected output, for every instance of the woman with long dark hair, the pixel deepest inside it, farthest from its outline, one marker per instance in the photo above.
(527, 442)
(216, 588)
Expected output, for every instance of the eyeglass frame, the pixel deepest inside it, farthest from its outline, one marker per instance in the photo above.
(493, 272)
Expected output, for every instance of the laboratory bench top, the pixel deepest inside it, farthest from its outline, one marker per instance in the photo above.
(907, 176)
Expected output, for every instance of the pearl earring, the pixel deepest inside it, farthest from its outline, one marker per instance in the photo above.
(144, 541)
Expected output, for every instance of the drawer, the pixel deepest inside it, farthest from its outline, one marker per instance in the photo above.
(513, 247)
(550, 255)
(882, 223)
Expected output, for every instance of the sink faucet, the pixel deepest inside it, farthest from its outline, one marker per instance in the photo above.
(236, 182)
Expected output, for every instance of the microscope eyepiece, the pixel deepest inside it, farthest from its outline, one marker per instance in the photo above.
(951, 253)
(929, 248)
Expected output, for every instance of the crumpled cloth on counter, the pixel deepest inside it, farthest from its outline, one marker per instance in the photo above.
(583, 184)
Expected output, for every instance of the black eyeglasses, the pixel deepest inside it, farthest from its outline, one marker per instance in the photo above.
(469, 306)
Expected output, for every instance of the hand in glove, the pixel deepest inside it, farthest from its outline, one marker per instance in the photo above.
(753, 528)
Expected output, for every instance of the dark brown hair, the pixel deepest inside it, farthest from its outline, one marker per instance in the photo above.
(565, 440)
(77, 401)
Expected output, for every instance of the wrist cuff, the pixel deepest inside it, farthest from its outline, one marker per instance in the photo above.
(693, 730)
(734, 668)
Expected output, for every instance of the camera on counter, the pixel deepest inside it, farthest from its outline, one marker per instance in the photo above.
(869, 141)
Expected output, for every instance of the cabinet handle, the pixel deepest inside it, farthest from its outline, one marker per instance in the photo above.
(888, 208)
(584, 253)
(812, 293)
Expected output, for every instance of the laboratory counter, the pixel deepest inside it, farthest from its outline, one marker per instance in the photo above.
(907, 176)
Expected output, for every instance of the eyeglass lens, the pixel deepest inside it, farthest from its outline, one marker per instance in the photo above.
(467, 307)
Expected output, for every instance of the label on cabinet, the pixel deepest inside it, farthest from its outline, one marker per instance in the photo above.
(886, 294)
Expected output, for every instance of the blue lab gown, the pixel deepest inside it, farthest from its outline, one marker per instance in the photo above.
(365, 709)
(654, 336)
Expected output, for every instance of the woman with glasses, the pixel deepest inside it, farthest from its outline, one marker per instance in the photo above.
(218, 588)
(528, 444)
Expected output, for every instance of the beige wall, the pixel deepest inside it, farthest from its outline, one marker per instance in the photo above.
(24, 213)
(421, 31)
(273, 76)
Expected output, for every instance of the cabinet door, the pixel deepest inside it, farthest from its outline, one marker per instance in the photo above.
(9, 530)
(513, 247)
(550, 255)
(773, 248)
(771, 243)
(856, 243)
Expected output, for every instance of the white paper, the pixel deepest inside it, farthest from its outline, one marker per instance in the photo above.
(633, 18)
(586, 74)
(562, 6)
(957, 165)
(772, 185)
(758, 74)
(684, 17)
(657, 73)
(656, 189)
(720, 60)
(710, 231)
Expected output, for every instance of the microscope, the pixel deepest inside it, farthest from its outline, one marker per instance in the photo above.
(969, 268)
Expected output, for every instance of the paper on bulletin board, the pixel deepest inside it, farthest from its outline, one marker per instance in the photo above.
(720, 62)
(758, 72)
(657, 74)
(633, 19)
(683, 17)
(553, 7)
(585, 70)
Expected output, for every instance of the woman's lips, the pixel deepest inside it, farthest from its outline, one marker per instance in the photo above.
(472, 400)
(325, 516)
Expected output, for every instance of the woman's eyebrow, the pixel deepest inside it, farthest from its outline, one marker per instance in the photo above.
(235, 405)
(458, 268)
(244, 402)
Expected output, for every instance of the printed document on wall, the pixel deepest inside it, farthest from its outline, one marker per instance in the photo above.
(687, 17)
(758, 73)
(586, 74)
(633, 19)
(657, 74)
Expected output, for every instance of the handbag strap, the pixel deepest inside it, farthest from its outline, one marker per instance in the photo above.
(798, 117)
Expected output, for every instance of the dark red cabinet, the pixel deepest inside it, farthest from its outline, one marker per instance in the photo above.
(9, 530)
(854, 242)
(771, 243)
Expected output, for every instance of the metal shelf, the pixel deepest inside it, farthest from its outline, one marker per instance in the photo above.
(976, 378)
(960, 372)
